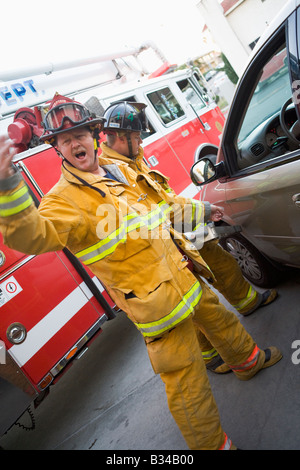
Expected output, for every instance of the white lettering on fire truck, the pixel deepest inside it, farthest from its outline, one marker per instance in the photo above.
(16, 91)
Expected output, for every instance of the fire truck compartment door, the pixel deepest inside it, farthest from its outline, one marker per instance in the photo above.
(53, 304)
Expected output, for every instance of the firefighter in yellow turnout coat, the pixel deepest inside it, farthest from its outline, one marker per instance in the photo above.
(227, 277)
(95, 210)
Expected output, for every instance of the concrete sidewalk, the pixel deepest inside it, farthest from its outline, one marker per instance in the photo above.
(112, 400)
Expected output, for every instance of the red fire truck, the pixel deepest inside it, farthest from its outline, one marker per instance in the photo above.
(51, 307)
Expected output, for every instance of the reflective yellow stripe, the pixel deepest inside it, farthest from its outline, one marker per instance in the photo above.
(130, 222)
(14, 196)
(197, 215)
(16, 202)
(193, 211)
(159, 215)
(179, 313)
(208, 355)
(201, 224)
(251, 295)
(103, 247)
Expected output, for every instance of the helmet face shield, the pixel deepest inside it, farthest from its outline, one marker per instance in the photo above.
(143, 120)
(64, 115)
(56, 119)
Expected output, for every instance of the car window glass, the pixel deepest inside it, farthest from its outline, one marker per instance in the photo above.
(166, 105)
(261, 135)
(206, 92)
(151, 130)
(191, 95)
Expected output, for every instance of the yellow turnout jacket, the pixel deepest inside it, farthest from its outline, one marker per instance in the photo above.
(120, 232)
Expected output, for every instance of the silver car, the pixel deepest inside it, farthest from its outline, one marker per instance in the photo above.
(255, 173)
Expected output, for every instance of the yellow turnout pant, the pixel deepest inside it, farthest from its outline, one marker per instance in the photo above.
(177, 357)
(230, 282)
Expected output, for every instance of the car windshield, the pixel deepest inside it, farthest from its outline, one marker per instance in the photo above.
(272, 90)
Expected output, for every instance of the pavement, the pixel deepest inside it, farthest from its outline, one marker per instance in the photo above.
(111, 399)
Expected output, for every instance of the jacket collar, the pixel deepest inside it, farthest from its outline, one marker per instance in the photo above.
(71, 174)
(107, 152)
(109, 155)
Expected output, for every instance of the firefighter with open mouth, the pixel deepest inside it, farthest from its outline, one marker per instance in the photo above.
(124, 144)
(117, 223)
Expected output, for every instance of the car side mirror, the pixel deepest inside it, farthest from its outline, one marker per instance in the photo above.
(203, 171)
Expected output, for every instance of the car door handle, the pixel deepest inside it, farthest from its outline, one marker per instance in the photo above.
(296, 199)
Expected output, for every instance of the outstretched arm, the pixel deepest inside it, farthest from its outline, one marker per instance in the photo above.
(23, 227)
(7, 152)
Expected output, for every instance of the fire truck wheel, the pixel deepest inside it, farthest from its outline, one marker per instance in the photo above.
(254, 266)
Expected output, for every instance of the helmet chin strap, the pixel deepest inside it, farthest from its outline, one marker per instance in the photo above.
(128, 137)
(95, 149)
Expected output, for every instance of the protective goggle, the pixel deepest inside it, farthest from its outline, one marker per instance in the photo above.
(76, 113)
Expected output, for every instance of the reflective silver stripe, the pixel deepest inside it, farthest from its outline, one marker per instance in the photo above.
(179, 313)
(130, 222)
(15, 202)
(251, 361)
(104, 247)
(209, 354)
(227, 443)
(157, 216)
(110, 243)
(249, 365)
